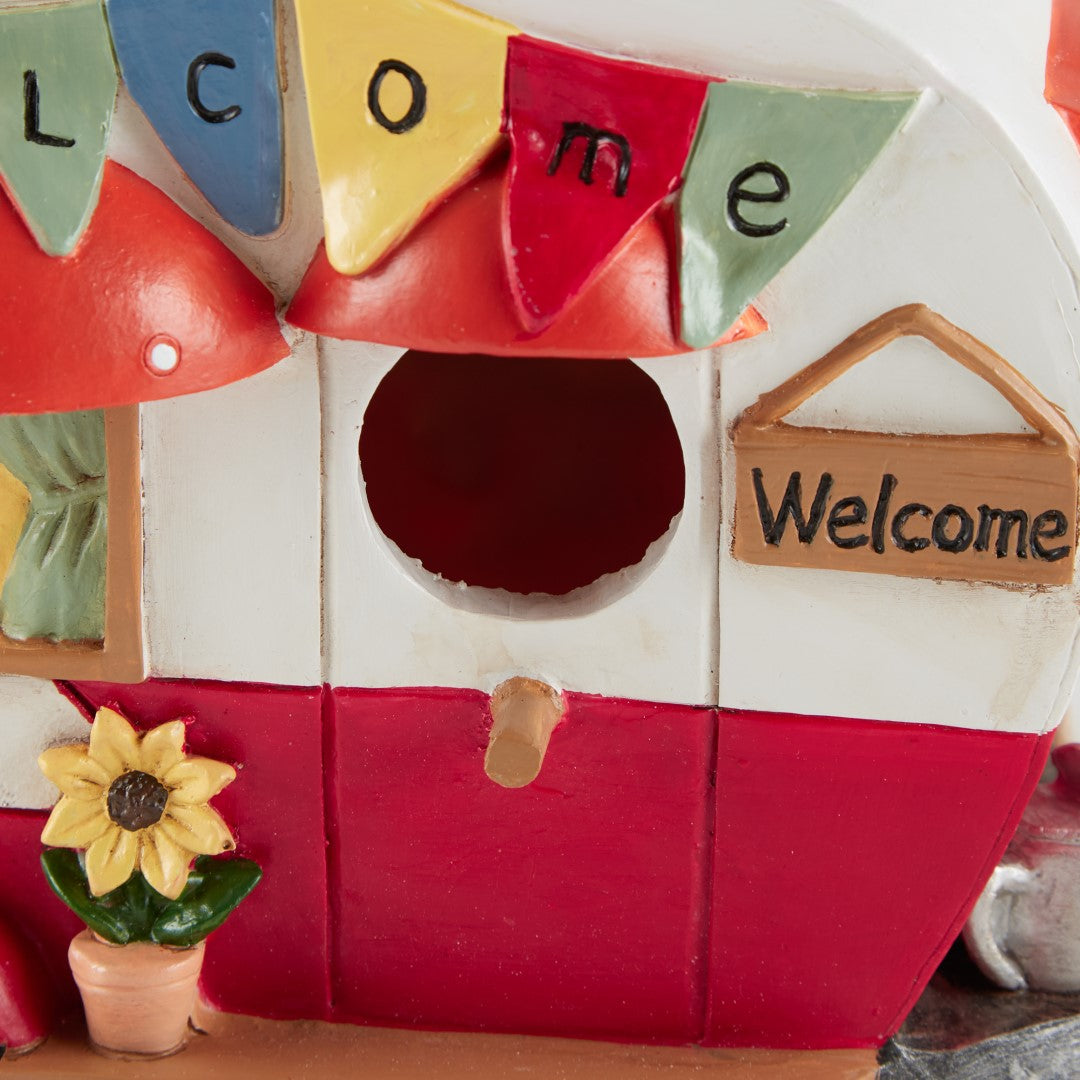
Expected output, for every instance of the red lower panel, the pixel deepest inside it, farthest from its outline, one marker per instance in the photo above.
(28, 906)
(848, 854)
(571, 906)
(271, 957)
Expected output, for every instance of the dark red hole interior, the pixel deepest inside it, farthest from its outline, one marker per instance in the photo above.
(525, 474)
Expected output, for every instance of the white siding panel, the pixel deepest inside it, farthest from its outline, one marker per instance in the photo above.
(391, 624)
(232, 521)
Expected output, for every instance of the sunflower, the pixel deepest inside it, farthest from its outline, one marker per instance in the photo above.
(136, 801)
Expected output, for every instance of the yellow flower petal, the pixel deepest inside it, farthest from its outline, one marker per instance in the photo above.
(75, 823)
(164, 864)
(199, 829)
(114, 743)
(110, 860)
(198, 779)
(74, 772)
(162, 748)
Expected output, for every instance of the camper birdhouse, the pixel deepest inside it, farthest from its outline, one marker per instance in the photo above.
(603, 477)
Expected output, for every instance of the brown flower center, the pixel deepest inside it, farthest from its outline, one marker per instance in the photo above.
(137, 801)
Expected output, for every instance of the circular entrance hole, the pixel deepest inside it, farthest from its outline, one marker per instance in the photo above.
(531, 475)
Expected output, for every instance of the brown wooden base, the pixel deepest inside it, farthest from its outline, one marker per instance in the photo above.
(241, 1046)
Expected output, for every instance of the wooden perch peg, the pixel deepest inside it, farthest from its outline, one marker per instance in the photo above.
(524, 714)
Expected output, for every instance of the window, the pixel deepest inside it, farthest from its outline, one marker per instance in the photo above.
(71, 545)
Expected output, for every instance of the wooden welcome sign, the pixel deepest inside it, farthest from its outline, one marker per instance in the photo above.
(996, 507)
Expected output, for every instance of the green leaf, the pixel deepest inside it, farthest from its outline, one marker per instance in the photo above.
(65, 874)
(141, 904)
(213, 892)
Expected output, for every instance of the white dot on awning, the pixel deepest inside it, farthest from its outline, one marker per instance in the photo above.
(163, 357)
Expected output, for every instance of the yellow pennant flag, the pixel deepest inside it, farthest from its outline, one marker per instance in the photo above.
(405, 99)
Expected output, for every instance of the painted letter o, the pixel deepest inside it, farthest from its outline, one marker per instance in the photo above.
(939, 530)
(418, 108)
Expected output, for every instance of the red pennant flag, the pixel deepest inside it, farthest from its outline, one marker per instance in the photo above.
(596, 145)
(1063, 63)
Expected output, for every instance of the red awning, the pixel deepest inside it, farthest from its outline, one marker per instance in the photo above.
(149, 305)
(445, 289)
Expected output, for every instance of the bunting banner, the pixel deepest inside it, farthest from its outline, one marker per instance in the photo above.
(405, 99)
(769, 166)
(57, 95)
(596, 145)
(206, 76)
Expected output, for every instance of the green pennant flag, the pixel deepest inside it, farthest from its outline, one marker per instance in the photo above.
(57, 95)
(769, 166)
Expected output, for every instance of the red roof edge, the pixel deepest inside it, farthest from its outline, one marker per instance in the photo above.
(445, 289)
(150, 305)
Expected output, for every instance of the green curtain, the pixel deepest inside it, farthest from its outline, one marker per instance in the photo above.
(55, 588)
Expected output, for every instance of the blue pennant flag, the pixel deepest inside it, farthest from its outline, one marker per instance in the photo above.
(205, 73)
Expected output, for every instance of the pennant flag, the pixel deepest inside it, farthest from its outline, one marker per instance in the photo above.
(206, 76)
(57, 95)
(405, 99)
(597, 144)
(769, 166)
(1063, 63)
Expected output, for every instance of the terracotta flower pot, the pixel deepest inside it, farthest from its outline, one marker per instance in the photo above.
(137, 997)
